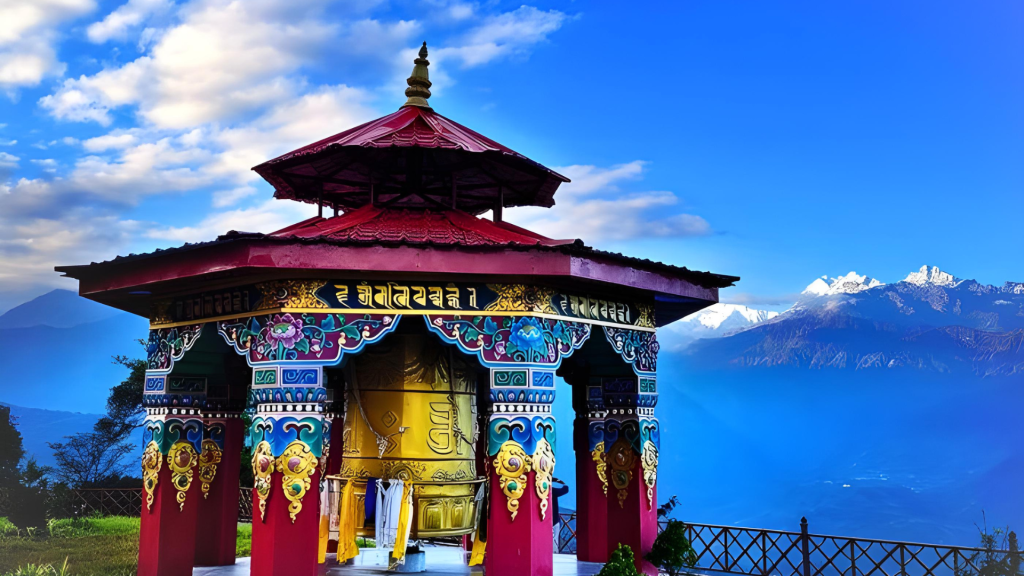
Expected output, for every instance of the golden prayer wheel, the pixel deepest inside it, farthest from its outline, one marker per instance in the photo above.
(410, 415)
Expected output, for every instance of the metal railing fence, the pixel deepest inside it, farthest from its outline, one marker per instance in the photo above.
(762, 552)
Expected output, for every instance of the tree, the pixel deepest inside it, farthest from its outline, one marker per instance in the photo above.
(96, 459)
(11, 450)
(28, 503)
(672, 552)
(124, 404)
(90, 459)
(621, 563)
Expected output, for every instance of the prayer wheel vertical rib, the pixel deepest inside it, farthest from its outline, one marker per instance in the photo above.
(411, 415)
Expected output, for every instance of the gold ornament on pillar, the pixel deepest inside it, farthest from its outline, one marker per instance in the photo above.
(298, 465)
(622, 460)
(152, 460)
(544, 466)
(649, 462)
(512, 465)
(597, 454)
(262, 468)
(208, 460)
(182, 460)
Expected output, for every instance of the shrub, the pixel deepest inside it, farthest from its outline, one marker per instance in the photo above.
(621, 563)
(672, 552)
(7, 528)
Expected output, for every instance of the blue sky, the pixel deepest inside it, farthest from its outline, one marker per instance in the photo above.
(776, 141)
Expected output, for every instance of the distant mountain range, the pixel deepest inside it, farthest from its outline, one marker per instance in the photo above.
(39, 427)
(56, 352)
(931, 321)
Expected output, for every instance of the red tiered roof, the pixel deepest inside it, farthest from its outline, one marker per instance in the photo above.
(370, 224)
(414, 158)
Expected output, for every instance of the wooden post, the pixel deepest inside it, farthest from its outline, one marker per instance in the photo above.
(805, 544)
(499, 205)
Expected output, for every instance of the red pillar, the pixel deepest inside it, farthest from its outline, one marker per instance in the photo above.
(167, 537)
(591, 506)
(635, 522)
(520, 547)
(217, 527)
(281, 547)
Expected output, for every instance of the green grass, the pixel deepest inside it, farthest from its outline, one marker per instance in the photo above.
(95, 546)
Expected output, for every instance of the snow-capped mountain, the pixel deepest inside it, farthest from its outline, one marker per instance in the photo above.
(712, 322)
(931, 320)
(852, 283)
(932, 275)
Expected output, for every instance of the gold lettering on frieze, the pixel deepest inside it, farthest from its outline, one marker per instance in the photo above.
(401, 295)
(365, 294)
(453, 296)
(419, 295)
(341, 293)
(472, 296)
(382, 296)
(436, 295)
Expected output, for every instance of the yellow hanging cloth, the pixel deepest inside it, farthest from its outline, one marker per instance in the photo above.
(404, 526)
(347, 548)
(476, 558)
(325, 531)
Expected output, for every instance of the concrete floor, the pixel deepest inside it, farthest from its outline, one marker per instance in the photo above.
(441, 561)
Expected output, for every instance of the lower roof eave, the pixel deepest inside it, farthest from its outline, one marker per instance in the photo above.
(213, 264)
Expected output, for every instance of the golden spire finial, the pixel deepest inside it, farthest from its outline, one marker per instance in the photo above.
(419, 83)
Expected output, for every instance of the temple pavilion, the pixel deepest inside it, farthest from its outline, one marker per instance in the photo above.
(388, 367)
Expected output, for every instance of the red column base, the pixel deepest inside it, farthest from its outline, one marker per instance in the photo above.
(520, 547)
(635, 522)
(281, 547)
(591, 505)
(167, 536)
(217, 528)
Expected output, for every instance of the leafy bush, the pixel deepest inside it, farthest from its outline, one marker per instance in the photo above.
(7, 528)
(991, 561)
(621, 563)
(672, 552)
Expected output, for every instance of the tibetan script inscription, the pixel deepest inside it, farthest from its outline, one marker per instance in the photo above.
(402, 297)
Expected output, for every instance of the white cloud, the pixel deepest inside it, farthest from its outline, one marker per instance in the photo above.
(268, 216)
(317, 115)
(8, 161)
(512, 33)
(48, 164)
(113, 141)
(117, 24)
(8, 142)
(224, 59)
(28, 31)
(225, 198)
(593, 208)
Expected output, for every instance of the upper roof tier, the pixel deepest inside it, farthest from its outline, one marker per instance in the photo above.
(413, 158)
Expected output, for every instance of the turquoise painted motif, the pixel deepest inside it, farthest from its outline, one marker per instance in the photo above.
(168, 431)
(318, 338)
(524, 430)
(281, 431)
(507, 341)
